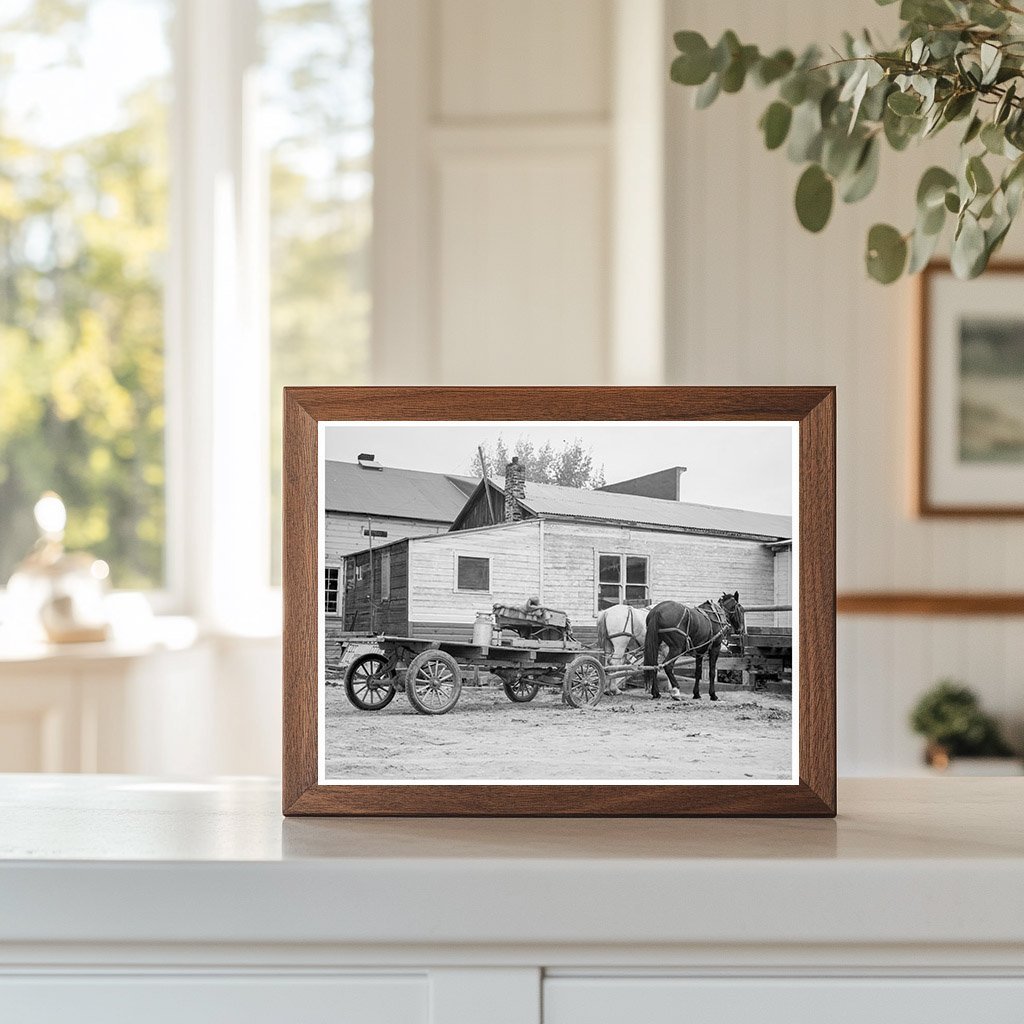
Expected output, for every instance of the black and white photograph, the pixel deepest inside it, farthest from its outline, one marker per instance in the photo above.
(545, 602)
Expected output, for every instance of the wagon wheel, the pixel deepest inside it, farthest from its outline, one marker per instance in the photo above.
(369, 683)
(547, 633)
(433, 682)
(520, 690)
(584, 682)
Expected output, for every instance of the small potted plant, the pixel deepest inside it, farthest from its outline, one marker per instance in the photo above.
(950, 718)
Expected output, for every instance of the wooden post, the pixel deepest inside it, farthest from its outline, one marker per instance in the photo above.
(369, 534)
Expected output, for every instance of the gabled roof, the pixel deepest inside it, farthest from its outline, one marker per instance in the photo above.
(605, 506)
(401, 493)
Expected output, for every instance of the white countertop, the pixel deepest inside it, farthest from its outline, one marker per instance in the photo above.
(120, 859)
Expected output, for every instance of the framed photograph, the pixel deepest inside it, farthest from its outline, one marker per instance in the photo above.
(559, 601)
(970, 444)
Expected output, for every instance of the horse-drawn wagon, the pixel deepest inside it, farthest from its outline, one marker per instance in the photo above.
(526, 647)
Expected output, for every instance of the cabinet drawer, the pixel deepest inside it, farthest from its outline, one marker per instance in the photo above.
(205, 999)
(668, 1000)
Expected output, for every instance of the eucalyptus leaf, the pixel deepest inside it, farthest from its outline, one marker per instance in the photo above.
(775, 124)
(922, 248)
(865, 173)
(991, 60)
(886, 253)
(973, 130)
(993, 138)
(978, 176)
(771, 69)
(904, 103)
(1005, 105)
(794, 88)
(968, 248)
(707, 93)
(805, 133)
(814, 195)
(931, 190)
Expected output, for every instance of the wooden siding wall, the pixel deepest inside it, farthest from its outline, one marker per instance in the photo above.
(515, 572)
(754, 299)
(389, 616)
(783, 584)
(343, 532)
(478, 514)
(682, 567)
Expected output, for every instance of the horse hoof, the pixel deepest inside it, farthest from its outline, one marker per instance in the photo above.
(655, 696)
(713, 696)
(675, 695)
(696, 696)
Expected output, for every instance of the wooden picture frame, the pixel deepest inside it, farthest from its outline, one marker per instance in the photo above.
(811, 409)
(925, 502)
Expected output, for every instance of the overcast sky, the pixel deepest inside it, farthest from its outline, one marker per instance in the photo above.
(738, 465)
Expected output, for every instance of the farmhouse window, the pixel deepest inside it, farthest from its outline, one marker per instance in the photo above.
(385, 575)
(331, 577)
(622, 579)
(472, 573)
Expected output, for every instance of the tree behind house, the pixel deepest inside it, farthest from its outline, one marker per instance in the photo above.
(571, 465)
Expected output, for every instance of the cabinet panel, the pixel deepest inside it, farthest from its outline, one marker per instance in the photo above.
(782, 1001)
(216, 1000)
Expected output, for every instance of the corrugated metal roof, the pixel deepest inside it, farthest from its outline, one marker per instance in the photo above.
(577, 503)
(404, 493)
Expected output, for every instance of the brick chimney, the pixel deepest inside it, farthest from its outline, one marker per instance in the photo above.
(515, 490)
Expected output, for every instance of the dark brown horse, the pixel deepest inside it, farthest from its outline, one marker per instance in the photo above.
(690, 632)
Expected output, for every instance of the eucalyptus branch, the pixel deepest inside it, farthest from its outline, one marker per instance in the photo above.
(955, 59)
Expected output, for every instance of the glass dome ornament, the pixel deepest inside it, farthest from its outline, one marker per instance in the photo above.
(55, 595)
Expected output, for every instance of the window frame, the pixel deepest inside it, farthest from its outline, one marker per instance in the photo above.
(622, 556)
(338, 590)
(456, 589)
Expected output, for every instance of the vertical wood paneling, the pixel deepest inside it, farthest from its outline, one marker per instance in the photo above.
(531, 58)
(522, 279)
(751, 298)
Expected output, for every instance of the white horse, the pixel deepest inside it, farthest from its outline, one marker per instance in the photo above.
(621, 631)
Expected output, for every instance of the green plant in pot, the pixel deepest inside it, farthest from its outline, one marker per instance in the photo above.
(957, 63)
(950, 718)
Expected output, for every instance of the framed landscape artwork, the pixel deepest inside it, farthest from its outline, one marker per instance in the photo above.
(559, 601)
(970, 445)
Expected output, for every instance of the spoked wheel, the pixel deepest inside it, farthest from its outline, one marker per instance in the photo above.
(433, 682)
(520, 690)
(584, 682)
(368, 682)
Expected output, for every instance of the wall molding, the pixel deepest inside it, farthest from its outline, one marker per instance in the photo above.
(918, 603)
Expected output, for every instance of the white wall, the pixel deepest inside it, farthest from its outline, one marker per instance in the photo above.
(508, 138)
(754, 299)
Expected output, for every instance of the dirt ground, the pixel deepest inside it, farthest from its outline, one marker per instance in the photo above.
(628, 736)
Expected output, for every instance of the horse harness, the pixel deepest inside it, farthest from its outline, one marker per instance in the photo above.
(628, 631)
(719, 619)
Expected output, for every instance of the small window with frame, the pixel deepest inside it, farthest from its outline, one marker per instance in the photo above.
(623, 579)
(332, 579)
(472, 573)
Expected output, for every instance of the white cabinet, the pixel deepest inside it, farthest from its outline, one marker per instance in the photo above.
(823, 1000)
(130, 899)
(202, 999)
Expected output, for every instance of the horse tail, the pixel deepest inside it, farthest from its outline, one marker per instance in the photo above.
(602, 630)
(651, 646)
